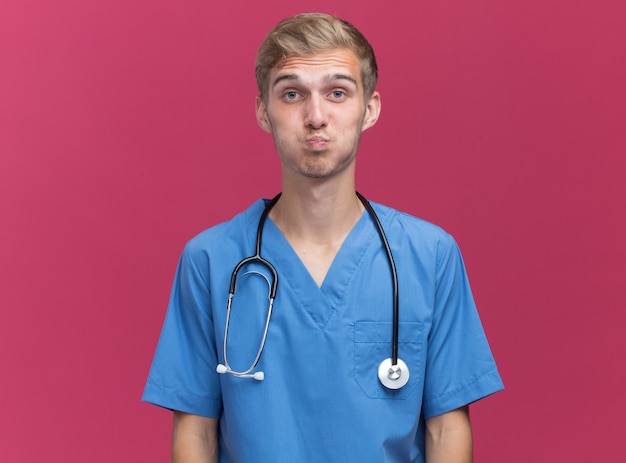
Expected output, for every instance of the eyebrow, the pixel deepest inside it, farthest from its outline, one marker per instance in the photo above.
(330, 78)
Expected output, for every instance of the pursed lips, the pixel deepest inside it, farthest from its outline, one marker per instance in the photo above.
(316, 141)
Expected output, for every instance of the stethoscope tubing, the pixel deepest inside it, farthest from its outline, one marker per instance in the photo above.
(394, 278)
(273, 285)
(257, 255)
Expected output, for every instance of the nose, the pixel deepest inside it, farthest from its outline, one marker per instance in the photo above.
(315, 116)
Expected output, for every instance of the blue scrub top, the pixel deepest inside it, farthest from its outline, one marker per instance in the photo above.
(321, 399)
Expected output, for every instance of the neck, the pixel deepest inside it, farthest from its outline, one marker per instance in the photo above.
(316, 221)
(323, 215)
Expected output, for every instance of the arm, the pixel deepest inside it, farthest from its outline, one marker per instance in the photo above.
(449, 437)
(194, 439)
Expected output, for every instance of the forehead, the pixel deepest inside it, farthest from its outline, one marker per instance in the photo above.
(337, 60)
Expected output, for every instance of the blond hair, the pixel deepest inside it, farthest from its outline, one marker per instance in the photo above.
(309, 33)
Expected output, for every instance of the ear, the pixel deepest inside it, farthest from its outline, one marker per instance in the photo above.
(261, 115)
(372, 111)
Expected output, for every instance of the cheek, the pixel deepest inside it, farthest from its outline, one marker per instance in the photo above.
(282, 122)
(351, 126)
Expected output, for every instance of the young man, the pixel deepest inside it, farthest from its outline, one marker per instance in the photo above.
(318, 396)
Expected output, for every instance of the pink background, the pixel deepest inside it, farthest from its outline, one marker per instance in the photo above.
(126, 127)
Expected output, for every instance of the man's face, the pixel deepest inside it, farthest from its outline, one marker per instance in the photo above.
(315, 110)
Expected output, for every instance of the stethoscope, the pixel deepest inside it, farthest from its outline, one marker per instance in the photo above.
(393, 373)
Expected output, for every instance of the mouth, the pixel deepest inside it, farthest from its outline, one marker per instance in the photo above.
(317, 141)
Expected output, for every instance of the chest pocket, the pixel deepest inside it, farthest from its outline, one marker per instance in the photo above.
(372, 344)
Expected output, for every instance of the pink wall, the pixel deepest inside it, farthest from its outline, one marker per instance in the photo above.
(127, 127)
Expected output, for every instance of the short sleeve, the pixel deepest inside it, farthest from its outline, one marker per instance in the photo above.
(460, 368)
(182, 376)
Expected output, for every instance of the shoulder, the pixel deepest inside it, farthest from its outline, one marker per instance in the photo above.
(402, 224)
(413, 239)
(221, 236)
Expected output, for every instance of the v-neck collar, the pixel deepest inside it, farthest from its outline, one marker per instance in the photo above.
(319, 302)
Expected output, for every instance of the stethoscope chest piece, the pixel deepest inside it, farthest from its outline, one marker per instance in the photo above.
(393, 376)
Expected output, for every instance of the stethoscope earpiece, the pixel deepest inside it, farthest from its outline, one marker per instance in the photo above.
(221, 369)
(258, 375)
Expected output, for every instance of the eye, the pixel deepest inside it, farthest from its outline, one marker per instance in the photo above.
(291, 95)
(338, 94)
